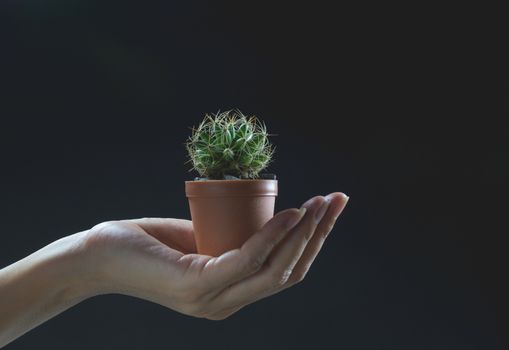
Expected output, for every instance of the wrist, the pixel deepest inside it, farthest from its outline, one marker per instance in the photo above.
(70, 269)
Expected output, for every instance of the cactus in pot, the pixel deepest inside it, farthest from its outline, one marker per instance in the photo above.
(231, 199)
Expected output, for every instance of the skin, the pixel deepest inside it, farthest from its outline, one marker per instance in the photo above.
(155, 259)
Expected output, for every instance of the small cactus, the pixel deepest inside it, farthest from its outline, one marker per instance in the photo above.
(229, 144)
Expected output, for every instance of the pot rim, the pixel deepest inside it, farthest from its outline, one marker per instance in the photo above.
(236, 180)
(232, 188)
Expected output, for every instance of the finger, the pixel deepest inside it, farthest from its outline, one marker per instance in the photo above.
(278, 269)
(237, 264)
(338, 202)
(175, 233)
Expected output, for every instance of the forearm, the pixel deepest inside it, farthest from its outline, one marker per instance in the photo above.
(42, 285)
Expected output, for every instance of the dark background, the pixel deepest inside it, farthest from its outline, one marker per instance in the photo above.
(98, 97)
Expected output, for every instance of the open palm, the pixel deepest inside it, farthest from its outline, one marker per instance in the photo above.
(155, 259)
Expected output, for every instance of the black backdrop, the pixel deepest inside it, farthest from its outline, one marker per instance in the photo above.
(97, 100)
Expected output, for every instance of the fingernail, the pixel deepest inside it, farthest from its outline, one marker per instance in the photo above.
(329, 197)
(323, 209)
(293, 221)
(346, 198)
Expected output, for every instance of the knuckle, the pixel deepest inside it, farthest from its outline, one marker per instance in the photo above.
(327, 230)
(104, 225)
(279, 278)
(254, 263)
(99, 234)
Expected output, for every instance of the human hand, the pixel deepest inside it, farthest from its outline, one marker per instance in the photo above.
(155, 259)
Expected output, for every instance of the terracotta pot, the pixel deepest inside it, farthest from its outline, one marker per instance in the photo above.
(225, 213)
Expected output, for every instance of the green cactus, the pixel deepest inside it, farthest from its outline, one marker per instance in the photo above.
(229, 144)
